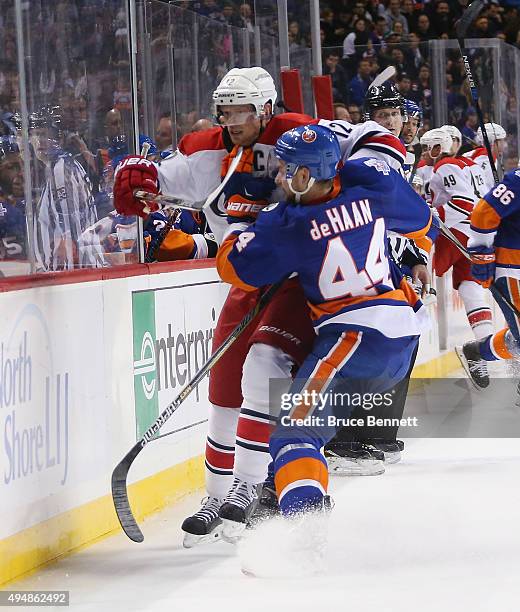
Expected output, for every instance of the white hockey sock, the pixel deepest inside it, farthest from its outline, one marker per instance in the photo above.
(220, 449)
(257, 418)
(477, 310)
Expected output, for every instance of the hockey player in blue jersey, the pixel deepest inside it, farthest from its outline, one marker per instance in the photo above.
(495, 255)
(331, 231)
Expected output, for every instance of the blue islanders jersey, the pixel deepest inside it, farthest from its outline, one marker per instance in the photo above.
(339, 249)
(495, 220)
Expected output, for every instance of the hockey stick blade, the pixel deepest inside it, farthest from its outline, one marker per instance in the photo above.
(468, 17)
(383, 76)
(120, 473)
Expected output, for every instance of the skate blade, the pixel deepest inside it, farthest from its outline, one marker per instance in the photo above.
(392, 458)
(190, 540)
(465, 366)
(232, 531)
(351, 468)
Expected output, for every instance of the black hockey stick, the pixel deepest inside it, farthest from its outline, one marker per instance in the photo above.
(469, 15)
(120, 473)
(156, 244)
(417, 151)
(495, 291)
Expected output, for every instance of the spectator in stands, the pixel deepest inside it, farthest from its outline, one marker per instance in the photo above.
(481, 28)
(457, 103)
(511, 24)
(337, 75)
(377, 36)
(12, 201)
(423, 29)
(471, 124)
(327, 25)
(360, 12)
(164, 133)
(341, 112)
(246, 17)
(358, 86)
(358, 38)
(442, 20)
(201, 125)
(342, 26)
(416, 55)
(393, 14)
(355, 113)
(229, 16)
(408, 12)
(404, 84)
(421, 91)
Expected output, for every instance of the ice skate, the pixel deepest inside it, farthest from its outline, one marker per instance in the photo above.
(204, 526)
(473, 364)
(267, 507)
(354, 459)
(237, 507)
(391, 448)
(300, 541)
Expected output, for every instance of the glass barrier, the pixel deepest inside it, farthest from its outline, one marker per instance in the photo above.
(432, 74)
(72, 123)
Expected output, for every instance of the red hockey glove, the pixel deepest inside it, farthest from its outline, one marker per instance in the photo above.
(134, 172)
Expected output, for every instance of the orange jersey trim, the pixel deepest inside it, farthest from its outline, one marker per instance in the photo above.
(334, 306)
(420, 233)
(176, 245)
(224, 267)
(484, 216)
(507, 256)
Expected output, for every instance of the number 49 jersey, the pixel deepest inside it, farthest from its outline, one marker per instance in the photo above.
(338, 248)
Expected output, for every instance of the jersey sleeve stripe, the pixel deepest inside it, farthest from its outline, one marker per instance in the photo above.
(484, 217)
(225, 268)
(420, 233)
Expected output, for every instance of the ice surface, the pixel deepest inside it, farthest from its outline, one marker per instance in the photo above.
(437, 532)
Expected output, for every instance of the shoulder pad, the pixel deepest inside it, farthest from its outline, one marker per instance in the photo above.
(205, 140)
(282, 123)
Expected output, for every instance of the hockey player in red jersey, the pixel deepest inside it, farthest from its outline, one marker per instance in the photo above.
(331, 230)
(493, 245)
(453, 194)
(497, 139)
(476, 172)
(239, 420)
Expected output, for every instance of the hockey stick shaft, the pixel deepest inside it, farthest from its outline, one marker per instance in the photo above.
(495, 291)
(120, 473)
(417, 151)
(171, 200)
(466, 20)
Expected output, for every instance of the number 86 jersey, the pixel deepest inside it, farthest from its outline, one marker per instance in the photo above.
(338, 247)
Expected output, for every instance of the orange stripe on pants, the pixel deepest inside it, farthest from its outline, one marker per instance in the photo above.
(326, 370)
(304, 468)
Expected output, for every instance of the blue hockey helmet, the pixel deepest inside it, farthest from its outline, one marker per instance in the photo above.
(313, 146)
(413, 110)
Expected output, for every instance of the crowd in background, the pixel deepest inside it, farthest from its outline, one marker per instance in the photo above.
(77, 62)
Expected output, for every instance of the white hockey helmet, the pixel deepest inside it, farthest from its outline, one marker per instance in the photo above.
(437, 136)
(494, 132)
(246, 86)
(453, 132)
